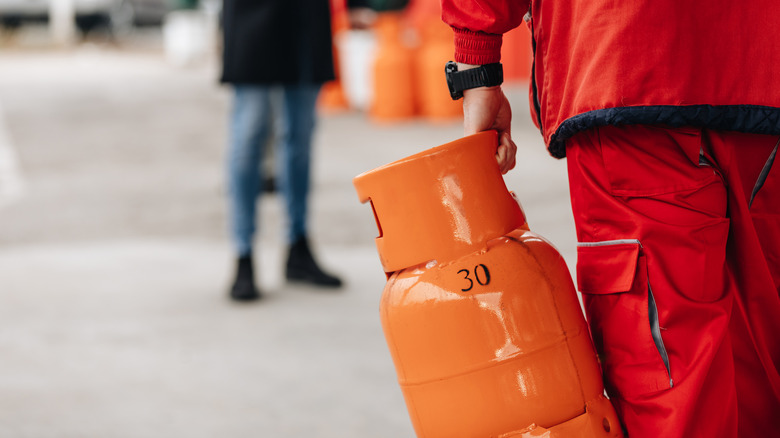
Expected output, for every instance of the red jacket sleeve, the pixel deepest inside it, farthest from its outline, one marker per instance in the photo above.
(479, 26)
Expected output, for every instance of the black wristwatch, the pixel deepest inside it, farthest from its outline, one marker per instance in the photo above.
(488, 75)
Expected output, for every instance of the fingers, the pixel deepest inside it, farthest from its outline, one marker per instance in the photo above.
(488, 108)
(505, 154)
(511, 152)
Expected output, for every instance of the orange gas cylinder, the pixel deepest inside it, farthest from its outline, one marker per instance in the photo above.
(393, 92)
(332, 98)
(516, 55)
(433, 97)
(480, 314)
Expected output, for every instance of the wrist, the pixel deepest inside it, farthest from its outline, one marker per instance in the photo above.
(463, 66)
(482, 90)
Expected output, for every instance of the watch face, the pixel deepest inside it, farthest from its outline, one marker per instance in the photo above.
(450, 69)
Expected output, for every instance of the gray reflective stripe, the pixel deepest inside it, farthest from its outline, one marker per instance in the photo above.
(610, 242)
(655, 329)
(764, 173)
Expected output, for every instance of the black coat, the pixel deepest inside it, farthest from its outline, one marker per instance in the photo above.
(276, 41)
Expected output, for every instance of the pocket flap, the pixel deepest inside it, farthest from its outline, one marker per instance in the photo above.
(605, 267)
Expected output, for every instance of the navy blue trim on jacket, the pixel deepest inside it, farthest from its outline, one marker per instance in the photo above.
(754, 119)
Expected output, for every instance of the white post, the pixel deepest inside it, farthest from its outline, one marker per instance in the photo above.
(62, 22)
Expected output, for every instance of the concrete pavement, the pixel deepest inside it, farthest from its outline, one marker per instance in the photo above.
(114, 260)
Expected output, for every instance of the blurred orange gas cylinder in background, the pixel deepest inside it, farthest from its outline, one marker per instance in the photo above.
(436, 47)
(480, 314)
(516, 55)
(393, 88)
(332, 97)
(433, 96)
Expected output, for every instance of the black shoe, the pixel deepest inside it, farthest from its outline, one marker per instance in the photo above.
(243, 288)
(269, 185)
(302, 267)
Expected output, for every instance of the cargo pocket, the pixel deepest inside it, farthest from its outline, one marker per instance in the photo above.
(623, 317)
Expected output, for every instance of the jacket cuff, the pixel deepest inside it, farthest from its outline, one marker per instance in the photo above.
(477, 48)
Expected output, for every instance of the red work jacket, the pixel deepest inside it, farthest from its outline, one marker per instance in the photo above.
(708, 63)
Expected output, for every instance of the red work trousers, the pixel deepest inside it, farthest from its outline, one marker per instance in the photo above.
(679, 267)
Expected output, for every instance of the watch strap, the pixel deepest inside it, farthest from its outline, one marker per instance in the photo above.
(488, 75)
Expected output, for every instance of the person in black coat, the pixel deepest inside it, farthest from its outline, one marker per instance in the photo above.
(276, 56)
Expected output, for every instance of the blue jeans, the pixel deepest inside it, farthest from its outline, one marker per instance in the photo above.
(250, 125)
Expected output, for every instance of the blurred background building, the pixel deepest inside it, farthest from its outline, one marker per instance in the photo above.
(113, 245)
